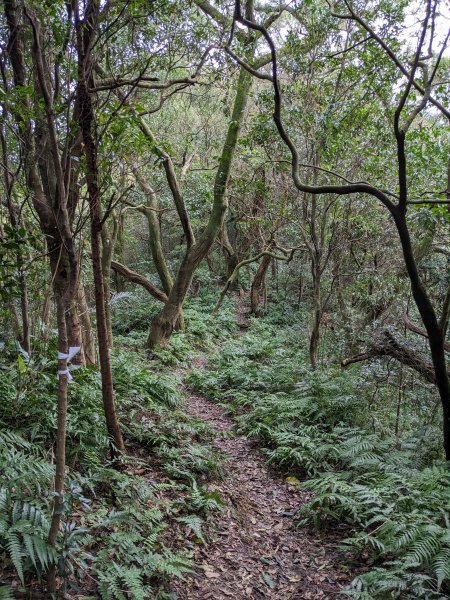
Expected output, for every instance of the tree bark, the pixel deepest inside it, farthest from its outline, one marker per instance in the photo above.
(106, 257)
(258, 284)
(390, 345)
(51, 207)
(74, 334)
(165, 321)
(86, 31)
(230, 256)
(120, 282)
(314, 338)
(429, 319)
(151, 213)
(139, 280)
(87, 334)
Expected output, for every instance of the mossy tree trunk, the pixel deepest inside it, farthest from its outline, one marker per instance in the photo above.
(165, 321)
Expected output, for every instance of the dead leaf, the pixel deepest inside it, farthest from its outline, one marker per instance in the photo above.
(292, 480)
(211, 575)
(268, 580)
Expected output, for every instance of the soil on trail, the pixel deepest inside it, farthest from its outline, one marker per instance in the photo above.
(256, 551)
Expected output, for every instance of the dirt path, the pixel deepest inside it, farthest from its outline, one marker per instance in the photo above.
(256, 551)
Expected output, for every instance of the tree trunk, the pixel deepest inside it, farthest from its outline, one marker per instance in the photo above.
(47, 308)
(102, 328)
(317, 318)
(15, 322)
(210, 262)
(87, 334)
(121, 282)
(156, 249)
(429, 319)
(258, 284)
(74, 332)
(151, 212)
(106, 257)
(60, 449)
(231, 259)
(85, 35)
(164, 322)
(26, 341)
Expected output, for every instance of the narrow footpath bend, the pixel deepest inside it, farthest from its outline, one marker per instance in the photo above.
(256, 551)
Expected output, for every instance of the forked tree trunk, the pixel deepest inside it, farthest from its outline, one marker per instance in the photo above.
(151, 212)
(156, 249)
(165, 321)
(52, 211)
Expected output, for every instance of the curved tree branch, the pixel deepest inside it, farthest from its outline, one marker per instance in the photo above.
(346, 189)
(139, 280)
(286, 257)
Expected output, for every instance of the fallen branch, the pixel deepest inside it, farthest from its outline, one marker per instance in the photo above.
(419, 330)
(388, 345)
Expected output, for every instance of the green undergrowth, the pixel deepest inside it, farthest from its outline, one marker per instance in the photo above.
(133, 312)
(125, 532)
(324, 427)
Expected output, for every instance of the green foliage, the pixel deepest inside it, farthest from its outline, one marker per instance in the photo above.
(400, 516)
(23, 515)
(132, 536)
(6, 593)
(133, 311)
(13, 245)
(314, 424)
(194, 522)
(25, 512)
(105, 513)
(203, 500)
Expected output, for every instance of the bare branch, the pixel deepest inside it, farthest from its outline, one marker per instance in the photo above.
(139, 279)
(286, 257)
(313, 189)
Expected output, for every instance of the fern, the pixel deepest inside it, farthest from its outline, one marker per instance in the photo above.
(194, 523)
(441, 566)
(314, 424)
(202, 500)
(6, 593)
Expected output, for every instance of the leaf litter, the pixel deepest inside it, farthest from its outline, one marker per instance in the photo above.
(255, 550)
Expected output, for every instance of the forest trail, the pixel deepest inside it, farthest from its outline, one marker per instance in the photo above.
(255, 550)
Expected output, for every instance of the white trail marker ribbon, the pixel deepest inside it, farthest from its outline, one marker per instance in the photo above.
(65, 372)
(73, 350)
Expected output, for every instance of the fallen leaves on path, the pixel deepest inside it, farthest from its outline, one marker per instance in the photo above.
(255, 551)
